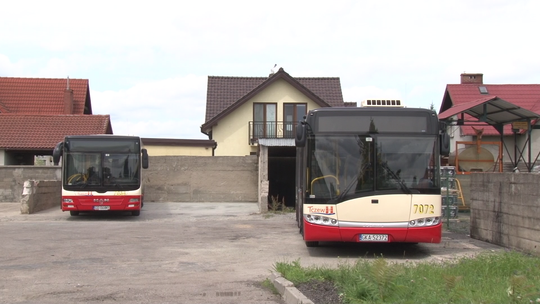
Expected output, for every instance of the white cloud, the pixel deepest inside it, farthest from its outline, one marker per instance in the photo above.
(169, 108)
(359, 94)
(7, 68)
(142, 57)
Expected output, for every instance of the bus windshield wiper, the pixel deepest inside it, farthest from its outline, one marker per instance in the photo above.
(341, 196)
(396, 177)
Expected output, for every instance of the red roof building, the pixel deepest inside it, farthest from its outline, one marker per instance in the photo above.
(510, 103)
(42, 132)
(36, 113)
(472, 88)
(44, 96)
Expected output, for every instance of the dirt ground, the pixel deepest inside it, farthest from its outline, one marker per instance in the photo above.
(171, 253)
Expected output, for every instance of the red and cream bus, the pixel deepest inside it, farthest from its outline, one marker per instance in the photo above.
(369, 174)
(101, 173)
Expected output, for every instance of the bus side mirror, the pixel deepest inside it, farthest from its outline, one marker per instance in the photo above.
(144, 158)
(57, 152)
(444, 139)
(445, 143)
(300, 138)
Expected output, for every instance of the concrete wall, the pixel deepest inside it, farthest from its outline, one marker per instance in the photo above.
(40, 195)
(505, 209)
(12, 179)
(169, 179)
(156, 150)
(201, 179)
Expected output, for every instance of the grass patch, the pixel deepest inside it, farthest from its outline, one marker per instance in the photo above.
(277, 206)
(506, 277)
(268, 285)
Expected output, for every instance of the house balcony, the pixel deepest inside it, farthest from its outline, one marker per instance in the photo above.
(270, 130)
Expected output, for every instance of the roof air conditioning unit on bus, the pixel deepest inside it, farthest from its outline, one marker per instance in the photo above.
(396, 103)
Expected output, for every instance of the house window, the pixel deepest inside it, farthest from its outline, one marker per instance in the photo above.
(264, 120)
(292, 114)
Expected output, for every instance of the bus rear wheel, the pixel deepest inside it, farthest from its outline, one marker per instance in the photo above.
(74, 213)
(136, 213)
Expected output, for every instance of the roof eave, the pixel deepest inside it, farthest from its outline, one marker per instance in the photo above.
(281, 74)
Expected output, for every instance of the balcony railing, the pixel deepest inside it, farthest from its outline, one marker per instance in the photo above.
(271, 129)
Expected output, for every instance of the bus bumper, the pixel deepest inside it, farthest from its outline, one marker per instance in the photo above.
(321, 233)
(98, 203)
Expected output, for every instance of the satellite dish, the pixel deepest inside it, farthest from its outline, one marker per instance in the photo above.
(474, 159)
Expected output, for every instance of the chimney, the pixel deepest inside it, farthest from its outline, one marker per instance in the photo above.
(475, 78)
(68, 99)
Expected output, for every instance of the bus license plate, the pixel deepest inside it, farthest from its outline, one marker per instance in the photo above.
(373, 237)
(102, 207)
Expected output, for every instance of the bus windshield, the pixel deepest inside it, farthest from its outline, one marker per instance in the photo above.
(101, 171)
(346, 165)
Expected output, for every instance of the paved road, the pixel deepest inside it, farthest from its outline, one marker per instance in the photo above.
(172, 253)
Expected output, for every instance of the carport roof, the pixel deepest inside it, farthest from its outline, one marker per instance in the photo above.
(492, 110)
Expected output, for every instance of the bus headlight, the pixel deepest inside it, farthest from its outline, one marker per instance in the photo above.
(425, 222)
(67, 200)
(321, 220)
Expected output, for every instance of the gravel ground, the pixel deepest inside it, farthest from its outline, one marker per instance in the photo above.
(176, 253)
(460, 225)
(324, 292)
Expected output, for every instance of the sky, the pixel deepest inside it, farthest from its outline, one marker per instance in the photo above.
(148, 62)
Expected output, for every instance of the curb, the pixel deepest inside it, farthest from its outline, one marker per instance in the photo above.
(289, 293)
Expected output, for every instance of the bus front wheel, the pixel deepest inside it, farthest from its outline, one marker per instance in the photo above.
(74, 213)
(312, 244)
(136, 213)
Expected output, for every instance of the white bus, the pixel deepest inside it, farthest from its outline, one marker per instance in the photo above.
(369, 174)
(101, 173)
